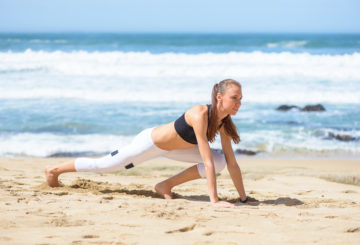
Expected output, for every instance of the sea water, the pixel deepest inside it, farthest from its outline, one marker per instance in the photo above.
(89, 93)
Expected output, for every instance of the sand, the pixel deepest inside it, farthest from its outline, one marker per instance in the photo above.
(292, 201)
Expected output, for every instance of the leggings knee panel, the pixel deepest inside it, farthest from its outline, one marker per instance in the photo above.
(219, 164)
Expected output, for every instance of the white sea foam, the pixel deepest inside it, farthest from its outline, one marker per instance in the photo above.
(39, 41)
(272, 142)
(45, 144)
(287, 44)
(144, 64)
(47, 41)
(300, 141)
(15, 40)
(142, 76)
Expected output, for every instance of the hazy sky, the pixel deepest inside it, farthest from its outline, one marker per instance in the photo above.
(180, 15)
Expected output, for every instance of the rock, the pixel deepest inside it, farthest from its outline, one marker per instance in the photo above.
(341, 137)
(293, 123)
(317, 107)
(286, 107)
(307, 108)
(219, 150)
(75, 154)
(246, 152)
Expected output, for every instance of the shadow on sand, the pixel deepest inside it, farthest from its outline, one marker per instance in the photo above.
(287, 201)
(105, 188)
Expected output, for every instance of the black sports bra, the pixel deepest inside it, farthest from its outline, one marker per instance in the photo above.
(186, 131)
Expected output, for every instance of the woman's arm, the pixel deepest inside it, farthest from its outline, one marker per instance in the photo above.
(232, 165)
(199, 123)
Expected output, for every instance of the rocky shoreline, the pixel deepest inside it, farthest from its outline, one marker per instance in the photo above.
(307, 108)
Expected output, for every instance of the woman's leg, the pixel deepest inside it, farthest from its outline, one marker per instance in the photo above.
(195, 172)
(164, 187)
(141, 149)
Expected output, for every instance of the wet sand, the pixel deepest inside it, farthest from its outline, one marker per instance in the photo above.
(292, 201)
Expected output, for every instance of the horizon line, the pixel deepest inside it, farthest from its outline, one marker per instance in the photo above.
(172, 32)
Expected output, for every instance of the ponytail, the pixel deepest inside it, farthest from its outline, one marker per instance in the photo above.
(228, 124)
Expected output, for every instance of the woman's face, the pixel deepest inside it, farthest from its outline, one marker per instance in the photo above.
(231, 100)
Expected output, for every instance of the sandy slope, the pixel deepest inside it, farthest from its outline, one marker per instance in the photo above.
(295, 201)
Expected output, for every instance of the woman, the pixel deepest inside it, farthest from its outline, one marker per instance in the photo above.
(186, 139)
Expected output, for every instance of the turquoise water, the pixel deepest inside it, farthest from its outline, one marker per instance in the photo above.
(182, 43)
(86, 93)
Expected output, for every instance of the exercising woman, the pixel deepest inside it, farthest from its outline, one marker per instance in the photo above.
(185, 139)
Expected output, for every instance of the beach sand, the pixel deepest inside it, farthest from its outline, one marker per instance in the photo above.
(292, 201)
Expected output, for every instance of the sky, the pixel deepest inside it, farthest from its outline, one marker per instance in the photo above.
(199, 16)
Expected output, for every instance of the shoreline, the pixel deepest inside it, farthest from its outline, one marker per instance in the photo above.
(289, 156)
(258, 156)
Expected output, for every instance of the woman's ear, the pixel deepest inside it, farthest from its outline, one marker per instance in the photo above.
(219, 96)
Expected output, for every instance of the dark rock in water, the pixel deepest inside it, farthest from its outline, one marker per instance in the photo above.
(341, 137)
(74, 154)
(246, 152)
(317, 107)
(307, 108)
(219, 150)
(293, 123)
(286, 107)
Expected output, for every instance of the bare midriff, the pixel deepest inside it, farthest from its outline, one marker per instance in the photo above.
(165, 137)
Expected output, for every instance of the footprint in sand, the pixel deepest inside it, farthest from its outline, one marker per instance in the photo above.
(331, 217)
(305, 214)
(351, 230)
(202, 219)
(303, 192)
(90, 236)
(349, 191)
(270, 215)
(61, 193)
(184, 229)
(64, 222)
(52, 237)
(4, 238)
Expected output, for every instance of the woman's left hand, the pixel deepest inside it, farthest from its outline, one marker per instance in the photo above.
(245, 200)
(224, 204)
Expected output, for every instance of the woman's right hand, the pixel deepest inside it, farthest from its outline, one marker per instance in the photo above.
(224, 204)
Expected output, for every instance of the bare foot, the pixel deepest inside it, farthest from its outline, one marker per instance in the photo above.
(163, 189)
(51, 176)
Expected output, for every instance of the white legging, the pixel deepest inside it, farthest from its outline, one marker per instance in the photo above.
(141, 149)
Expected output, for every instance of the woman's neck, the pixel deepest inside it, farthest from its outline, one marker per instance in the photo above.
(221, 114)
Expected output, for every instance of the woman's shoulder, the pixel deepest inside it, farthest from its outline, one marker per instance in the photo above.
(199, 109)
(197, 112)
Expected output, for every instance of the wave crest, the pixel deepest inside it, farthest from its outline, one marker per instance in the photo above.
(287, 44)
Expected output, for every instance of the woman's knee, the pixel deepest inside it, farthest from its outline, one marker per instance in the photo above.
(219, 165)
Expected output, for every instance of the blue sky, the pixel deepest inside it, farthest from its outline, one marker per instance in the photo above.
(180, 16)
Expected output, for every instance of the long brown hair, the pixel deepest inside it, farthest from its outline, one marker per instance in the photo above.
(229, 126)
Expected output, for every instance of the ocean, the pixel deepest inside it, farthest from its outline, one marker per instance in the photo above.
(73, 94)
